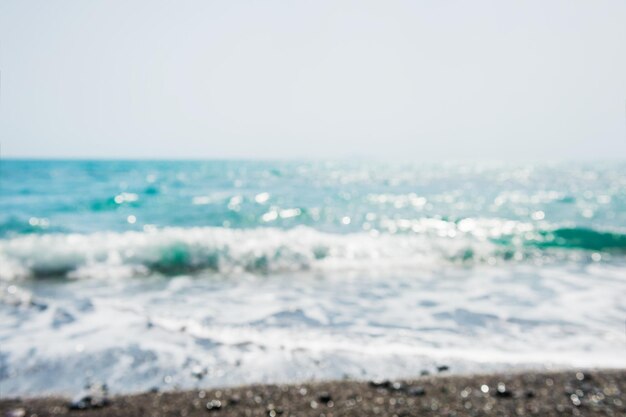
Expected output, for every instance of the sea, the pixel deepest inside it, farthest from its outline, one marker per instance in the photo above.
(183, 274)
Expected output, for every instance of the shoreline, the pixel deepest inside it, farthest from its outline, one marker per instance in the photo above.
(572, 392)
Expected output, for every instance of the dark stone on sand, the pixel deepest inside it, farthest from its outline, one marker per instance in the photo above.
(443, 368)
(324, 397)
(94, 396)
(386, 384)
(502, 391)
(81, 404)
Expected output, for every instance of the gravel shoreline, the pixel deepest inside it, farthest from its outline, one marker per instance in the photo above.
(575, 392)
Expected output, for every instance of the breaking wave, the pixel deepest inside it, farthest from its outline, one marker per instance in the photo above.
(173, 251)
(583, 238)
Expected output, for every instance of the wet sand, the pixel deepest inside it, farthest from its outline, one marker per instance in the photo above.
(584, 393)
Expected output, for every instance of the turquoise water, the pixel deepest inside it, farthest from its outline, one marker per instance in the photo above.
(144, 273)
(518, 208)
(88, 196)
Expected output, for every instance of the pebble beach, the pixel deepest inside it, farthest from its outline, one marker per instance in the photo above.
(573, 392)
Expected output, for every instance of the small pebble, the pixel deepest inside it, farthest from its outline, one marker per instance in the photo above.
(94, 396)
(502, 391)
(214, 405)
(380, 383)
(324, 397)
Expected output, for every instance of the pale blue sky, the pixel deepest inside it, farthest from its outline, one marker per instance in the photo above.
(423, 80)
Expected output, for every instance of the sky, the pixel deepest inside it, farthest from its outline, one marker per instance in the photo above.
(411, 80)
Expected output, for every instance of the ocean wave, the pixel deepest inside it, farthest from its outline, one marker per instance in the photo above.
(583, 238)
(173, 251)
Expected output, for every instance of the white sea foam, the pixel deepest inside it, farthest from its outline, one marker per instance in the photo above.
(423, 243)
(136, 334)
(223, 250)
